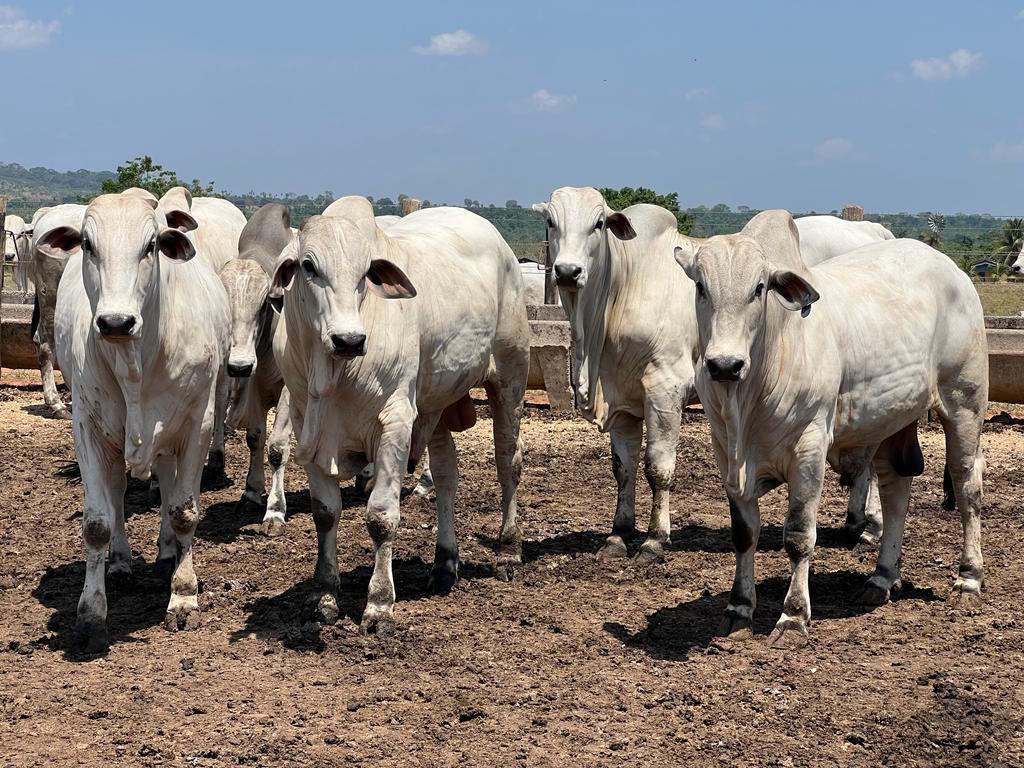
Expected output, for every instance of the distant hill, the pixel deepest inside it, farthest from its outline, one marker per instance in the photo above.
(962, 235)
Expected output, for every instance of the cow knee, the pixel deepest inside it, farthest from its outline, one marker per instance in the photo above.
(381, 522)
(659, 473)
(742, 531)
(324, 518)
(95, 529)
(798, 537)
(184, 517)
(275, 456)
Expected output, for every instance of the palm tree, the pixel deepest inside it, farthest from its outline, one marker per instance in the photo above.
(966, 263)
(1009, 240)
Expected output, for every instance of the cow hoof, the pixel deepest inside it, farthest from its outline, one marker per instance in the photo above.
(273, 527)
(62, 413)
(442, 579)
(734, 626)
(789, 634)
(214, 479)
(91, 637)
(650, 553)
(865, 545)
(509, 566)
(613, 549)
(119, 577)
(184, 618)
(850, 533)
(873, 595)
(966, 595)
(378, 622)
(326, 611)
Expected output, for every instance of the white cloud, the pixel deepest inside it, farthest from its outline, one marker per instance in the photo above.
(714, 121)
(959, 63)
(834, 147)
(19, 34)
(457, 43)
(546, 101)
(1008, 151)
(699, 94)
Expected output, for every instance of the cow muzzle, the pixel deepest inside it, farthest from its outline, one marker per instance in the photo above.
(117, 326)
(348, 345)
(726, 368)
(240, 370)
(568, 275)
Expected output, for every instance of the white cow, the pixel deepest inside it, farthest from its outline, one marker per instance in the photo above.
(382, 336)
(825, 237)
(634, 339)
(143, 364)
(259, 385)
(895, 330)
(534, 280)
(16, 250)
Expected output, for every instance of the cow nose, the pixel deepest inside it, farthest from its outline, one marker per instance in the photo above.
(239, 371)
(1015, 269)
(115, 325)
(349, 344)
(567, 275)
(725, 368)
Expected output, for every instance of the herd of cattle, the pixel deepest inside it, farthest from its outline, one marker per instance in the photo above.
(809, 342)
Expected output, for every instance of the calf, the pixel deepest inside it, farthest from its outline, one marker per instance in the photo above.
(802, 367)
(382, 336)
(142, 339)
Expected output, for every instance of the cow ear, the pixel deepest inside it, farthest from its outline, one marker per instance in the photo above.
(388, 281)
(284, 274)
(792, 291)
(687, 260)
(181, 220)
(60, 240)
(541, 208)
(173, 244)
(619, 225)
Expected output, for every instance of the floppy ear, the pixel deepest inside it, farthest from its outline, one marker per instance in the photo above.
(388, 281)
(619, 225)
(181, 220)
(792, 291)
(173, 244)
(687, 260)
(60, 240)
(284, 274)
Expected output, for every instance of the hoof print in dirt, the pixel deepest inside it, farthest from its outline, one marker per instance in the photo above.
(614, 549)
(273, 527)
(182, 619)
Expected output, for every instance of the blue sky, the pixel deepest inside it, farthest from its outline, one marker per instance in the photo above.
(899, 106)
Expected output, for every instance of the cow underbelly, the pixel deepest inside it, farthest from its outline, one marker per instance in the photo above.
(869, 413)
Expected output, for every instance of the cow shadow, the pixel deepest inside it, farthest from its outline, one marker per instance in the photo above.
(288, 617)
(676, 633)
(130, 609)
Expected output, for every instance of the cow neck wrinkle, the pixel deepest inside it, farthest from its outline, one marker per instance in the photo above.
(590, 328)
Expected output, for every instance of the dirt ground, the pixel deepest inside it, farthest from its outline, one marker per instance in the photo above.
(580, 662)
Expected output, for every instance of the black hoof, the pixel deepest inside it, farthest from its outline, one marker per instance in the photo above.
(442, 580)
(91, 637)
(735, 626)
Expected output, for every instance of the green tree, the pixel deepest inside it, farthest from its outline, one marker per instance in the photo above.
(512, 204)
(1009, 239)
(627, 196)
(143, 172)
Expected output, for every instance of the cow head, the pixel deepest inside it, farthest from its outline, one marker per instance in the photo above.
(120, 239)
(579, 223)
(248, 290)
(335, 262)
(733, 275)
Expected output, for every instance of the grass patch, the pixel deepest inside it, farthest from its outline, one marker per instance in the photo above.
(1001, 299)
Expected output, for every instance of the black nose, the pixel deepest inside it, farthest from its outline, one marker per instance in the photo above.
(1015, 268)
(115, 325)
(349, 344)
(725, 368)
(567, 275)
(239, 371)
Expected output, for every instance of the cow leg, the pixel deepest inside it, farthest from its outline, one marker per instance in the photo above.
(165, 469)
(745, 517)
(277, 455)
(659, 468)
(627, 434)
(445, 465)
(103, 479)
(382, 518)
(255, 484)
(966, 465)
(183, 516)
(894, 491)
(119, 559)
(213, 473)
(799, 534)
(506, 401)
(325, 503)
(45, 355)
(863, 524)
(425, 485)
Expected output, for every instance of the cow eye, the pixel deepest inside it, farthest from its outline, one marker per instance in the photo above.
(700, 289)
(308, 268)
(597, 227)
(759, 291)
